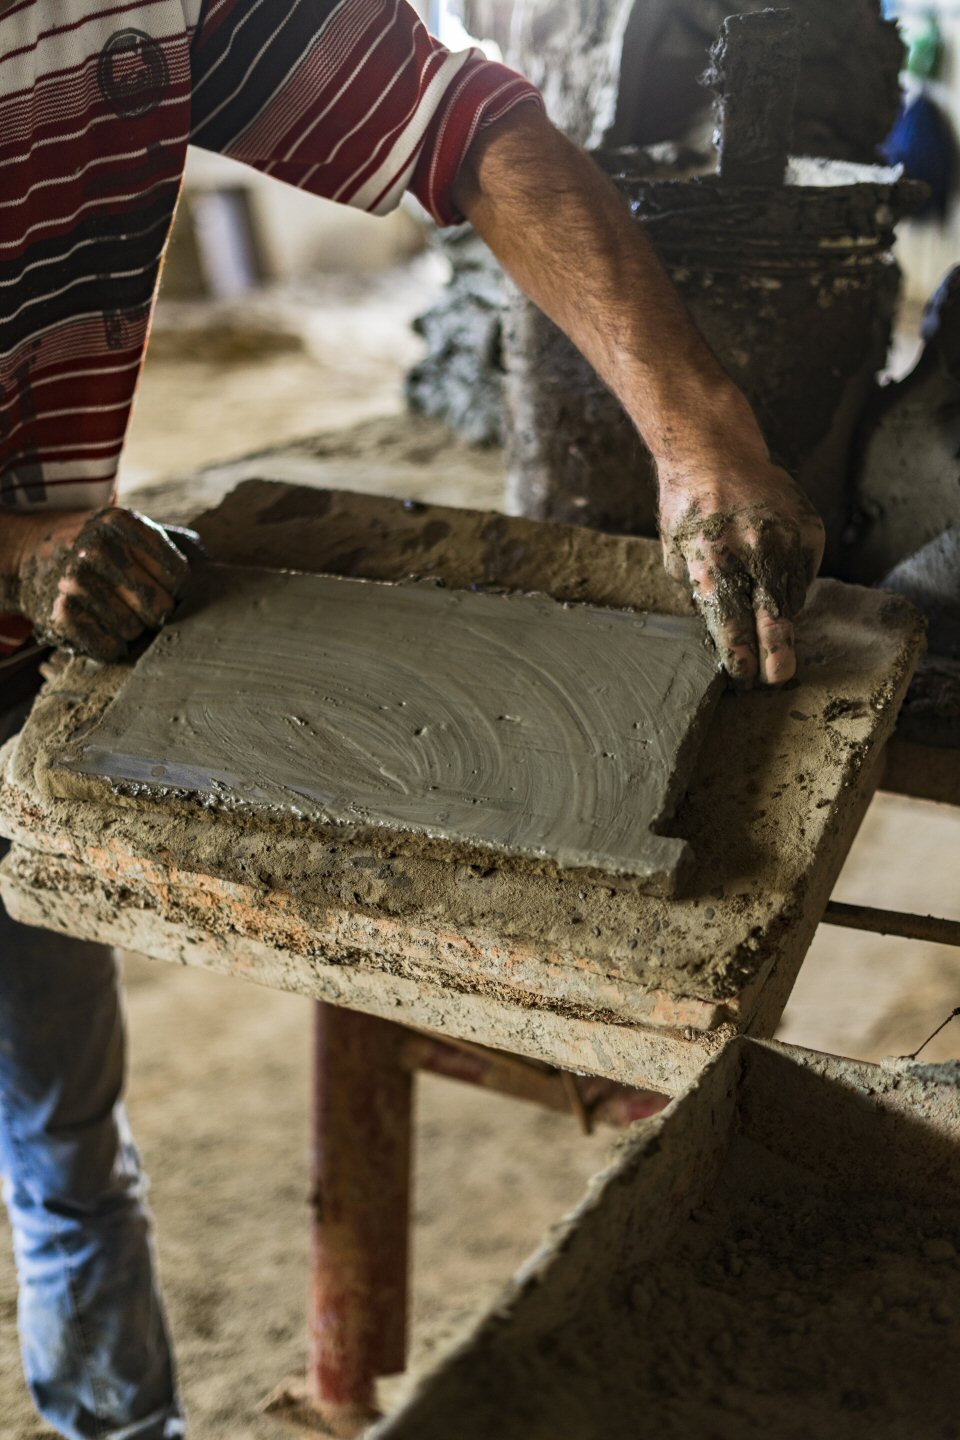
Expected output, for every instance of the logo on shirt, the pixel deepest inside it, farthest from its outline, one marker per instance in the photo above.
(133, 73)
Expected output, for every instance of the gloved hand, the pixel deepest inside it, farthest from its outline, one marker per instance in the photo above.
(94, 582)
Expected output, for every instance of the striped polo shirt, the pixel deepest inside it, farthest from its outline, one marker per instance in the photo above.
(350, 99)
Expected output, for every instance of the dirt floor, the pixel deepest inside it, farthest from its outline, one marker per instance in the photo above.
(220, 1069)
(225, 380)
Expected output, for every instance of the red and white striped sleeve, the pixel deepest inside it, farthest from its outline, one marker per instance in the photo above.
(353, 100)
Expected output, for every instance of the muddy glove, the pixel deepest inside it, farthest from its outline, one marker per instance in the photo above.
(749, 544)
(93, 583)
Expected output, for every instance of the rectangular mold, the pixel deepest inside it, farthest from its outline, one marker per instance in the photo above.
(510, 725)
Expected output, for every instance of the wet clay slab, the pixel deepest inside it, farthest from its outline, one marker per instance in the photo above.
(508, 723)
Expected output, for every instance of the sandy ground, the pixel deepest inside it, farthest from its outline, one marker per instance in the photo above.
(220, 1069)
(294, 362)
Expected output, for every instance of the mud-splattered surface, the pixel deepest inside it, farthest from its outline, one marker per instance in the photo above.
(931, 711)
(785, 1306)
(460, 380)
(777, 1254)
(754, 67)
(792, 1306)
(848, 93)
(771, 808)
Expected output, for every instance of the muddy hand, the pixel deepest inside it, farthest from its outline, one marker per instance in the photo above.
(93, 583)
(749, 547)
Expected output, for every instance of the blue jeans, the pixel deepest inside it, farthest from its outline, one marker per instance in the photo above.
(93, 1335)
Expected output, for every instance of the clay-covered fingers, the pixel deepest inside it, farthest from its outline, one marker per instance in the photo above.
(673, 561)
(146, 598)
(89, 624)
(749, 568)
(778, 656)
(783, 558)
(115, 578)
(123, 587)
(131, 544)
(748, 541)
(722, 591)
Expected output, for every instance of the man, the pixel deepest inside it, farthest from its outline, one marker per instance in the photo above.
(353, 100)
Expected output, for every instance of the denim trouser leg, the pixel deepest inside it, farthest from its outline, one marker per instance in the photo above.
(93, 1335)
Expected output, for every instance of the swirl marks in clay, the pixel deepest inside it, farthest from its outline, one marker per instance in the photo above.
(513, 723)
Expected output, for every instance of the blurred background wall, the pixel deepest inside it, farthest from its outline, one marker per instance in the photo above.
(929, 247)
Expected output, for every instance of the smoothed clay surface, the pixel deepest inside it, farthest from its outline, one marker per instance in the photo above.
(548, 732)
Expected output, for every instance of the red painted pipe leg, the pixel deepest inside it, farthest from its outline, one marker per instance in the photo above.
(362, 1122)
(362, 1131)
(361, 1200)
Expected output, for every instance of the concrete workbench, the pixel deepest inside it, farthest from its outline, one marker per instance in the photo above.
(586, 975)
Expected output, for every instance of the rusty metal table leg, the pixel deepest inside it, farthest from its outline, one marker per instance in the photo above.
(362, 1123)
(364, 1071)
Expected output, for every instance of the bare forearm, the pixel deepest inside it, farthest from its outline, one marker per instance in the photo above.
(565, 235)
(732, 523)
